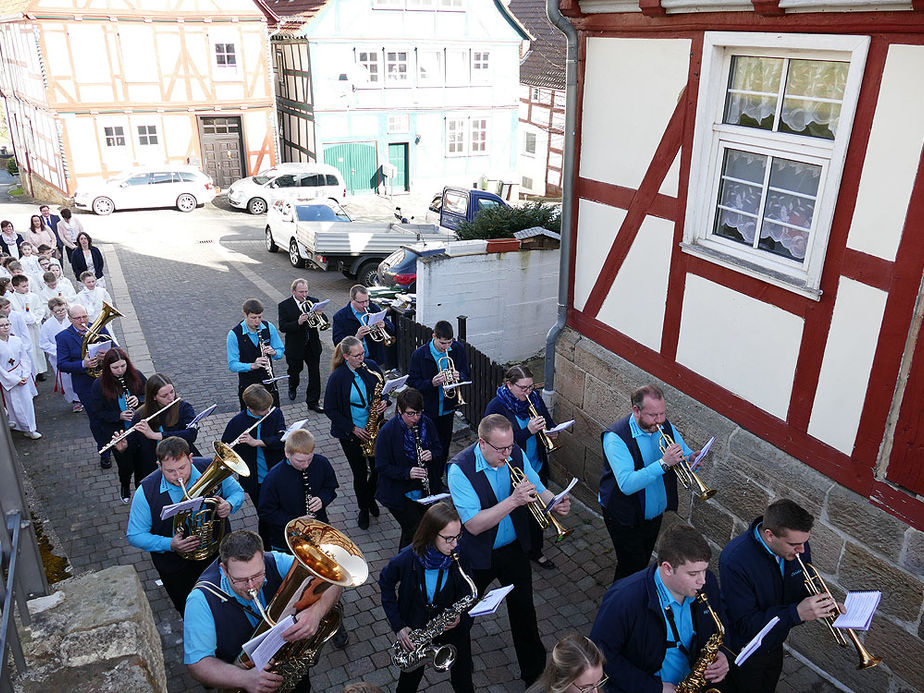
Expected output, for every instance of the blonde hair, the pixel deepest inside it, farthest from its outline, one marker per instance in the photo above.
(300, 442)
(573, 655)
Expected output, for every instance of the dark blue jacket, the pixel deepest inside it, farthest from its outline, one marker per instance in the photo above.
(231, 623)
(755, 591)
(631, 633)
(282, 497)
(394, 466)
(79, 263)
(146, 448)
(629, 511)
(404, 594)
(70, 343)
(522, 435)
(337, 396)
(478, 547)
(107, 411)
(345, 324)
(271, 432)
(6, 248)
(250, 352)
(420, 374)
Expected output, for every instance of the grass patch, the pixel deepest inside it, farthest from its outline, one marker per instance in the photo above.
(15, 192)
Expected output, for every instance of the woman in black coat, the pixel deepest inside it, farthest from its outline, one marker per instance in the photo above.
(421, 583)
(87, 256)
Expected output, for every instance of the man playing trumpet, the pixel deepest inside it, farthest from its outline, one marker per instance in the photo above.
(303, 345)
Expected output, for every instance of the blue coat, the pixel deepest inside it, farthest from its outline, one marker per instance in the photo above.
(337, 396)
(70, 360)
(107, 411)
(271, 432)
(422, 368)
(6, 248)
(755, 591)
(145, 447)
(393, 465)
(282, 497)
(521, 435)
(345, 324)
(79, 263)
(631, 633)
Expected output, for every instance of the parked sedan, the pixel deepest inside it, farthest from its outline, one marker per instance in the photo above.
(399, 271)
(146, 187)
(287, 181)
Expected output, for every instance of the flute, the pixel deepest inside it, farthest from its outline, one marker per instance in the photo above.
(122, 436)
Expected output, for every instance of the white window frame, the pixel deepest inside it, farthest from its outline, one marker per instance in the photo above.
(439, 77)
(466, 78)
(392, 79)
(421, 4)
(399, 123)
(452, 5)
(112, 138)
(234, 52)
(454, 149)
(479, 146)
(387, 4)
(480, 65)
(150, 131)
(469, 127)
(370, 80)
(526, 150)
(712, 137)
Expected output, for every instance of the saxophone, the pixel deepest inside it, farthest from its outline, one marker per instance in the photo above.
(695, 681)
(375, 420)
(425, 482)
(443, 656)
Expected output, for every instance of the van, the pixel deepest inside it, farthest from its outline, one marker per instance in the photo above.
(294, 181)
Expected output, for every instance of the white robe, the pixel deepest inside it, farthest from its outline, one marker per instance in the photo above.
(30, 265)
(64, 289)
(93, 301)
(33, 310)
(14, 366)
(47, 343)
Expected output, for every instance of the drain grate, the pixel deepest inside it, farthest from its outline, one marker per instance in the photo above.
(209, 240)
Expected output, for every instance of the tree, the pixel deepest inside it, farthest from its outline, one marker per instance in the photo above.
(503, 222)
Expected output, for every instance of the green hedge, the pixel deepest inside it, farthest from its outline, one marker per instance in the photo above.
(11, 166)
(503, 222)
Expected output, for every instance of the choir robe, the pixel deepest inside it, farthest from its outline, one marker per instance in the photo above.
(14, 366)
(49, 346)
(93, 301)
(33, 311)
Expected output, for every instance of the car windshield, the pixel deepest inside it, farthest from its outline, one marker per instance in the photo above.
(320, 213)
(262, 178)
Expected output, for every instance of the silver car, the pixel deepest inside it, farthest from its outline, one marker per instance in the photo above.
(287, 181)
(146, 187)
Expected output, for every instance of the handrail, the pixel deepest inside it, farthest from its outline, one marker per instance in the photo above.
(8, 635)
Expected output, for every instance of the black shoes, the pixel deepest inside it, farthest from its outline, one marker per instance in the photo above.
(41, 377)
(292, 394)
(105, 463)
(374, 509)
(316, 408)
(126, 494)
(544, 562)
(362, 520)
(340, 638)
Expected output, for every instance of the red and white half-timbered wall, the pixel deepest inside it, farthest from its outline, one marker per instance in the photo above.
(542, 122)
(747, 217)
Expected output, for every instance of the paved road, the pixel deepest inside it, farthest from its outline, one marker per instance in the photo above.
(183, 278)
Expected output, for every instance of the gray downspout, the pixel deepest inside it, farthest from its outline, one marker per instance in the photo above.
(564, 267)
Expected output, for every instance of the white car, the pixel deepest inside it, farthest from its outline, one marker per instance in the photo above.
(287, 181)
(284, 215)
(171, 185)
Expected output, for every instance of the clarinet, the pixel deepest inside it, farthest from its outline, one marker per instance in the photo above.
(125, 393)
(308, 497)
(425, 482)
(269, 362)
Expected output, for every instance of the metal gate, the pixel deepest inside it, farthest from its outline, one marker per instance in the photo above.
(358, 163)
(222, 148)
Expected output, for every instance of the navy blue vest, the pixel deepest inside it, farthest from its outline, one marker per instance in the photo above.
(250, 353)
(169, 561)
(629, 511)
(478, 547)
(231, 624)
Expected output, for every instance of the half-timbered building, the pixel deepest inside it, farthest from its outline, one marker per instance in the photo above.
(92, 87)
(746, 203)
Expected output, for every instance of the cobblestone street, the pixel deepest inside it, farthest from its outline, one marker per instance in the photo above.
(183, 278)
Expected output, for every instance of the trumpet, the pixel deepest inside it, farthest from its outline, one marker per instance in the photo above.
(547, 443)
(377, 333)
(318, 321)
(542, 518)
(124, 434)
(815, 584)
(446, 366)
(684, 471)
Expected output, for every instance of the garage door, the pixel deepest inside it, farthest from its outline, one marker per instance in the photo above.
(358, 163)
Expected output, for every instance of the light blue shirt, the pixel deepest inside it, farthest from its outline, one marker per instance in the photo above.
(675, 665)
(437, 354)
(433, 583)
(359, 401)
(234, 350)
(467, 502)
(769, 550)
(648, 477)
(140, 520)
(530, 449)
(122, 407)
(262, 469)
(200, 638)
(359, 317)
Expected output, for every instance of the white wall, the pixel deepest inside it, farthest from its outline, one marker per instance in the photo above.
(596, 229)
(509, 298)
(534, 165)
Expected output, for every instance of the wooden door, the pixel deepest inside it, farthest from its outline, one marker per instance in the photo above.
(222, 149)
(397, 157)
(357, 161)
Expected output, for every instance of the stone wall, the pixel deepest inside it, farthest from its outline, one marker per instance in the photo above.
(96, 632)
(854, 545)
(40, 189)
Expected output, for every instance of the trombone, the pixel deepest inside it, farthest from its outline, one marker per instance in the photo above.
(447, 367)
(377, 333)
(542, 518)
(318, 321)
(122, 436)
(815, 585)
(684, 471)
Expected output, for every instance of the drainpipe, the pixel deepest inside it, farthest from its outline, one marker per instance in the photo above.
(564, 266)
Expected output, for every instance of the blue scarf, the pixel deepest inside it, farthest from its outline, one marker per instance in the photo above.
(410, 448)
(520, 409)
(433, 559)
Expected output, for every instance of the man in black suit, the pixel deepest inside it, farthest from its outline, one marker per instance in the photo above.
(51, 221)
(347, 323)
(303, 345)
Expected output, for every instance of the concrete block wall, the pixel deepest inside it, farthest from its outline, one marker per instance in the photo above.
(855, 545)
(509, 297)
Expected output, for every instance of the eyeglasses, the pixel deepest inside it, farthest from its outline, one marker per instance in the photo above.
(504, 450)
(247, 580)
(452, 540)
(523, 388)
(413, 414)
(593, 686)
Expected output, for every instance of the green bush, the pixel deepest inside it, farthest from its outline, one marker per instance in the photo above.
(503, 222)
(11, 166)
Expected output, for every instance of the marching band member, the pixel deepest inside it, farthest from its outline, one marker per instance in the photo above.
(348, 322)
(424, 374)
(402, 477)
(649, 627)
(303, 345)
(348, 405)
(496, 535)
(762, 579)
(637, 486)
(116, 395)
(16, 382)
(57, 322)
(576, 664)
(148, 532)
(420, 583)
(252, 344)
(512, 401)
(220, 616)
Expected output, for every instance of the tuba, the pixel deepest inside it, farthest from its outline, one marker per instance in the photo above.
(378, 333)
(375, 420)
(695, 681)
(446, 366)
(815, 584)
(93, 336)
(684, 471)
(542, 518)
(204, 523)
(323, 557)
(318, 321)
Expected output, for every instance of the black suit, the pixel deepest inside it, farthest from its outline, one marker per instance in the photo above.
(303, 345)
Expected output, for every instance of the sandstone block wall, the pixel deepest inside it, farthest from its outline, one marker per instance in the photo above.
(854, 545)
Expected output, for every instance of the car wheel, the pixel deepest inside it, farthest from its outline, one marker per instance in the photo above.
(257, 206)
(367, 273)
(271, 246)
(103, 206)
(294, 258)
(186, 202)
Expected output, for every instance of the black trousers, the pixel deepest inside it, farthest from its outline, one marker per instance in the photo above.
(759, 674)
(511, 566)
(408, 515)
(313, 363)
(365, 475)
(131, 464)
(536, 532)
(263, 529)
(460, 673)
(633, 545)
(180, 583)
(444, 433)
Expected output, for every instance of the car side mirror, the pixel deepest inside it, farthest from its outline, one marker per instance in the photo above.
(273, 185)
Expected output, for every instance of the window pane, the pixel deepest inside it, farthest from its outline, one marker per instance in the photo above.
(814, 92)
(790, 208)
(753, 91)
(739, 196)
(479, 135)
(455, 136)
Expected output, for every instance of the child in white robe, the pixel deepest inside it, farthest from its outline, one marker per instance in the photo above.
(56, 322)
(63, 282)
(92, 296)
(52, 287)
(33, 310)
(16, 382)
(28, 259)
